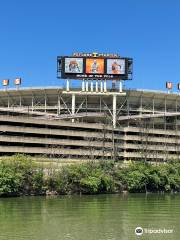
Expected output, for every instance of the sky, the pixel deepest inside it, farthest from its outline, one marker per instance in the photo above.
(33, 33)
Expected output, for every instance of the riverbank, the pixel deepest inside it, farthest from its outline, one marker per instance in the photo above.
(19, 175)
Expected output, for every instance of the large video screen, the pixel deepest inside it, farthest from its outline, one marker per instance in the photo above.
(87, 67)
(94, 66)
(73, 65)
(115, 66)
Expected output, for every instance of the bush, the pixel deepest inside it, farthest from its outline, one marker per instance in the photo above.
(19, 175)
(90, 184)
(10, 181)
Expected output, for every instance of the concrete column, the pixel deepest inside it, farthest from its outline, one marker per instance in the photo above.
(73, 105)
(91, 86)
(83, 86)
(96, 86)
(67, 85)
(120, 86)
(105, 86)
(114, 110)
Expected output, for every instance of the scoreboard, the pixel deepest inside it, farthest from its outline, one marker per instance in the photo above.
(94, 66)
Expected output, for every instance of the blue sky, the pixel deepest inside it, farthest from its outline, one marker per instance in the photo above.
(33, 33)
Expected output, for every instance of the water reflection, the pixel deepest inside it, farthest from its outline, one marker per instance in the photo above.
(98, 217)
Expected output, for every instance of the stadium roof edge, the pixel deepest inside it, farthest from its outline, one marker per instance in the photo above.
(54, 88)
(152, 91)
(29, 88)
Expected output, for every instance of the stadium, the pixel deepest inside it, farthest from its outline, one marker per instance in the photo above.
(81, 124)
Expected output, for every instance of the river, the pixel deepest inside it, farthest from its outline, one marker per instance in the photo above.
(99, 217)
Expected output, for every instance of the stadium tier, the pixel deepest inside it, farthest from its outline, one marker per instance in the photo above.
(132, 125)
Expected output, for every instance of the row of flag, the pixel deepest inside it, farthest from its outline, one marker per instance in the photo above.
(169, 85)
(17, 81)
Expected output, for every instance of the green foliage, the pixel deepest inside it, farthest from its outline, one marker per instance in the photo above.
(19, 175)
(90, 184)
(108, 184)
(37, 182)
(10, 181)
(136, 181)
(142, 177)
(87, 178)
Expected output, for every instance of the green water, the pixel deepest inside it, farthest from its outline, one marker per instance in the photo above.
(103, 217)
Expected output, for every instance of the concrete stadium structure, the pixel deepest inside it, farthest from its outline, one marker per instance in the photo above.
(129, 125)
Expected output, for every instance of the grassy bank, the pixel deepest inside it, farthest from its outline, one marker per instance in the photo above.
(19, 175)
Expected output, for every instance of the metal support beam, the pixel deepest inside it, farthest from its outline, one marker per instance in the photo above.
(120, 86)
(45, 103)
(114, 110)
(91, 86)
(105, 86)
(153, 105)
(141, 104)
(59, 106)
(73, 105)
(20, 101)
(128, 107)
(8, 102)
(32, 104)
(96, 86)
(165, 109)
(67, 85)
(87, 85)
(165, 105)
(65, 105)
(101, 86)
(153, 109)
(83, 86)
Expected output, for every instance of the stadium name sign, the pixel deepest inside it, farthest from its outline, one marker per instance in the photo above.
(96, 55)
(94, 66)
